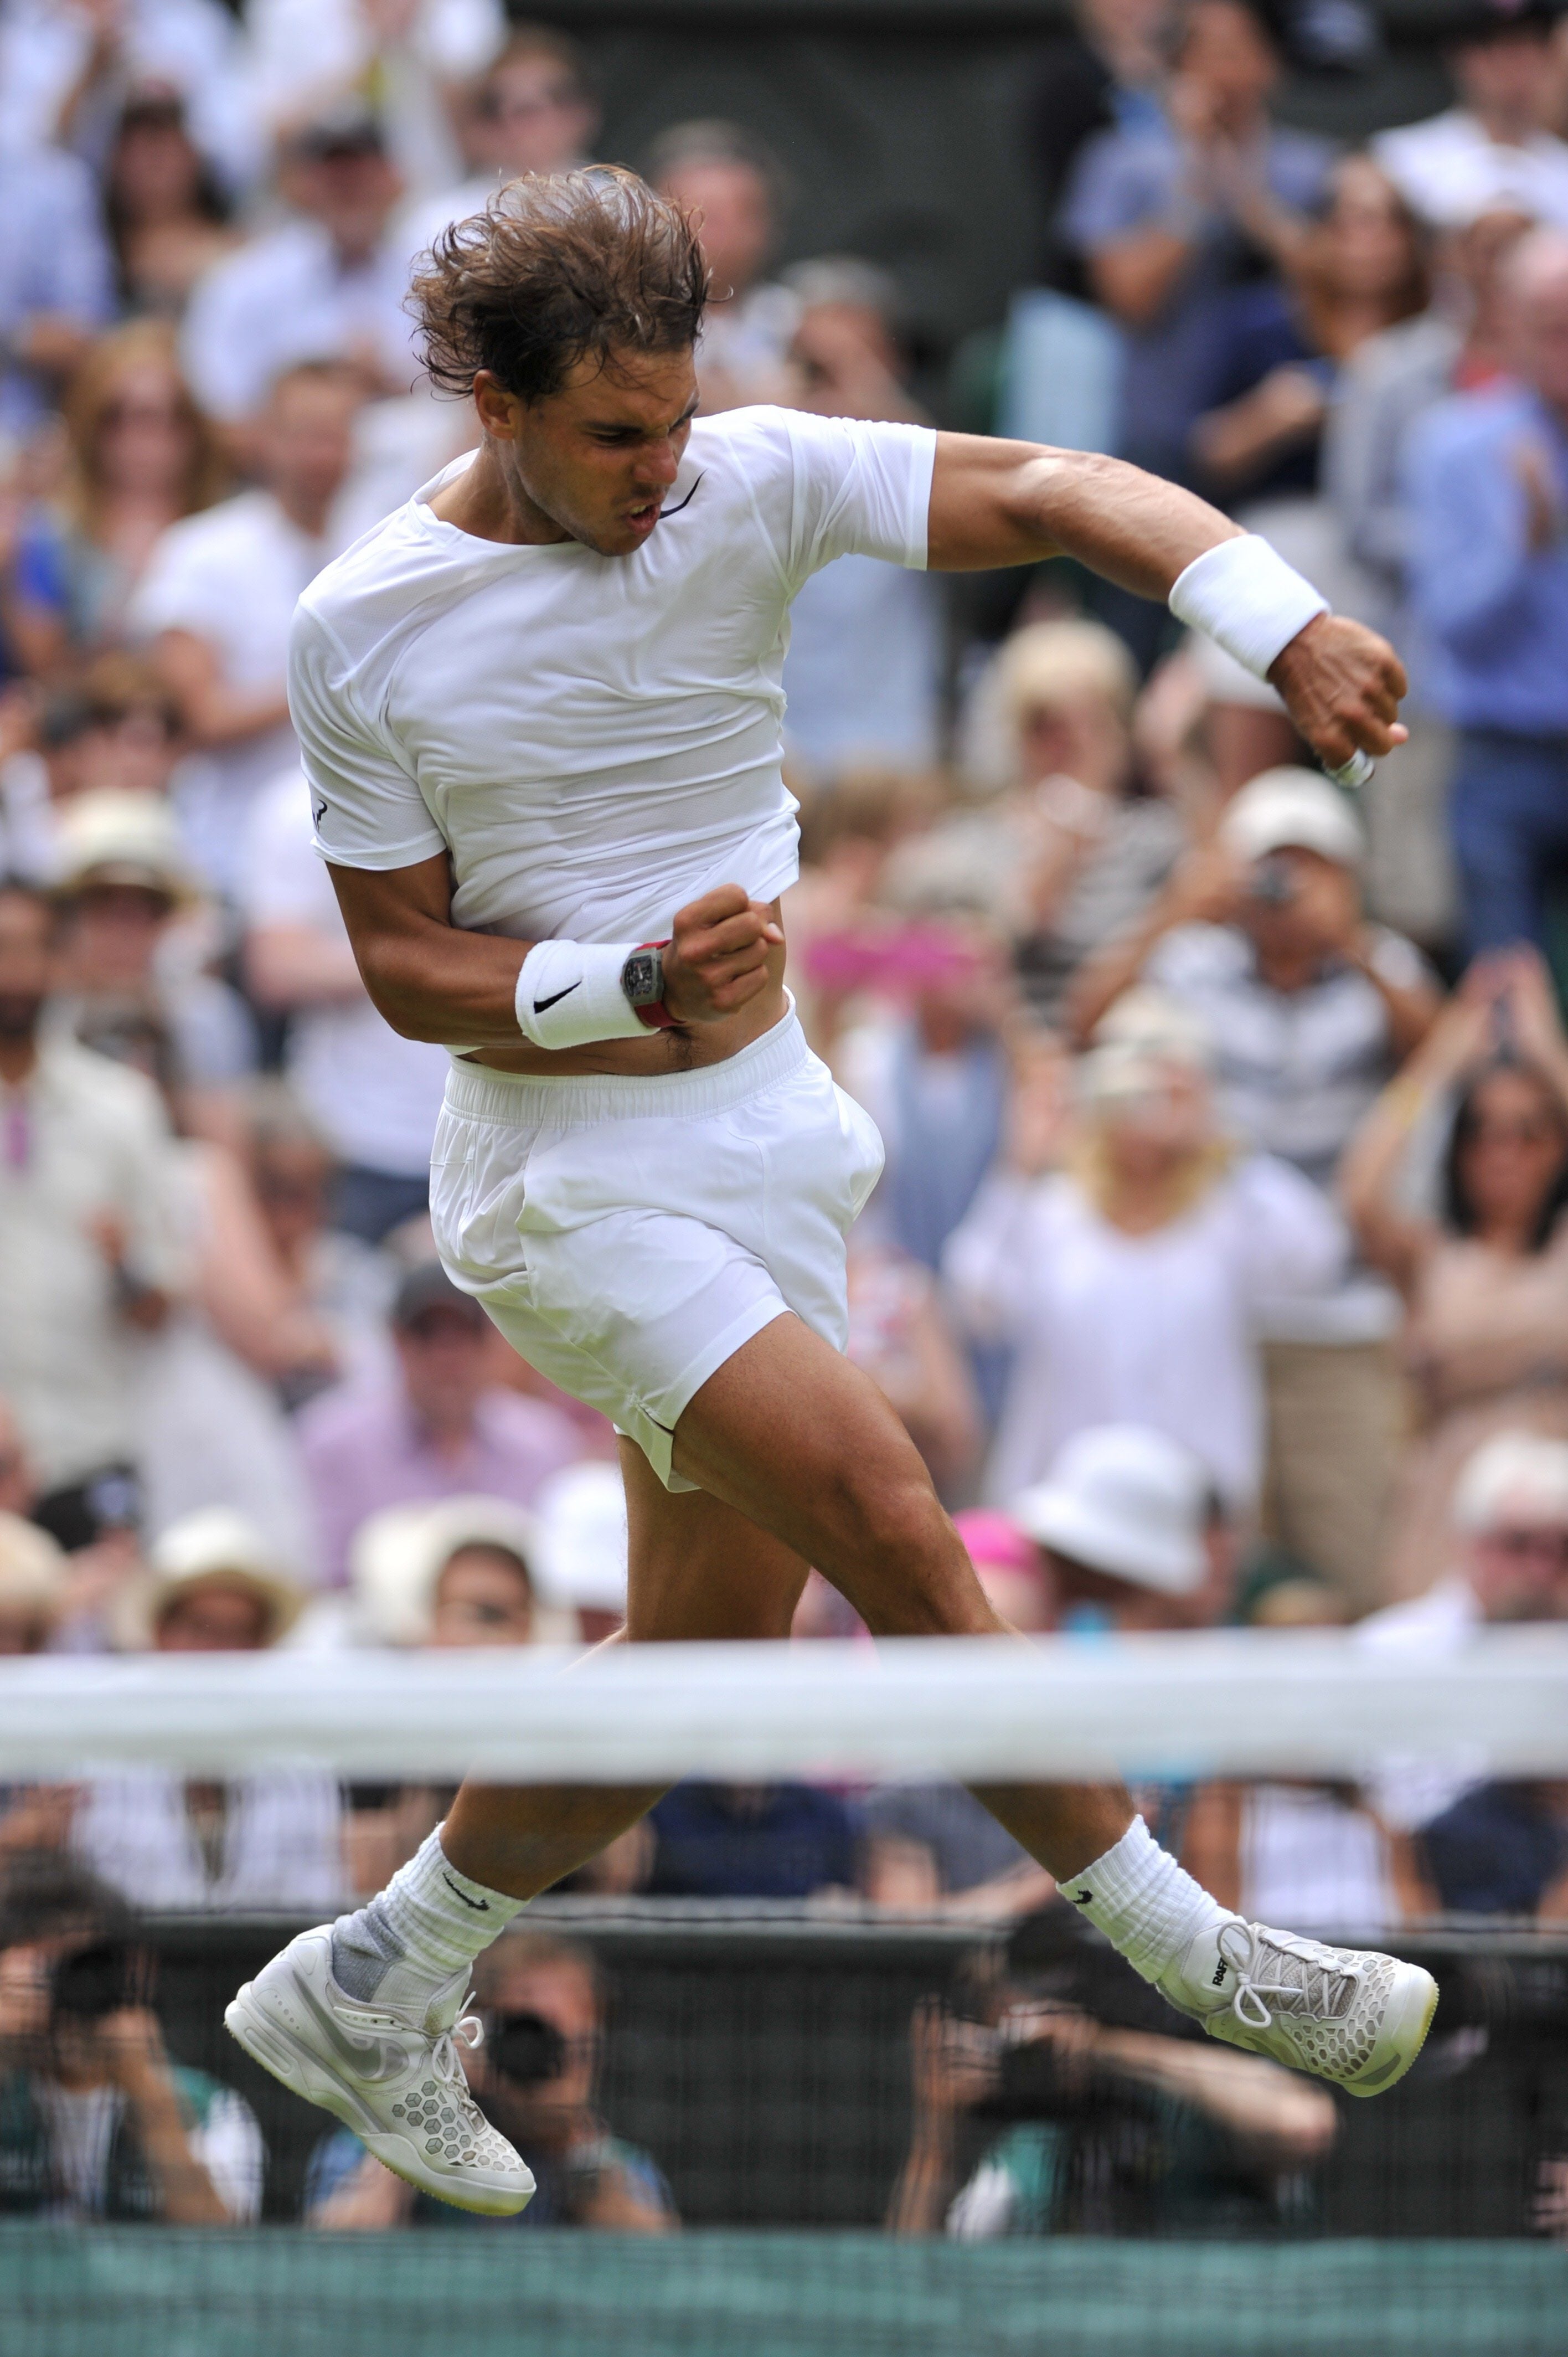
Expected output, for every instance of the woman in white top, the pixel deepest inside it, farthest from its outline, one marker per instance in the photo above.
(1126, 1279)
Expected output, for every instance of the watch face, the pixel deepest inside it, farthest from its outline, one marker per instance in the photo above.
(640, 979)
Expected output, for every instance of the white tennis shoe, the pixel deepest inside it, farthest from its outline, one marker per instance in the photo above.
(402, 2091)
(1351, 2015)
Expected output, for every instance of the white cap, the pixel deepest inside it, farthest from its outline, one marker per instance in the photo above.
(1520, 1474)
(1125, 1501)
(1288, 809)
(1137, 1042)
(583, 1538)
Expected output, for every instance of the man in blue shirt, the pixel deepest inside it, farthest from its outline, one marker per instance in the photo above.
(1487, 481)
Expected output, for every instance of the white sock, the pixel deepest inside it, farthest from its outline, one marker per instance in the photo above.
(419, 1935)
(1147, 1905)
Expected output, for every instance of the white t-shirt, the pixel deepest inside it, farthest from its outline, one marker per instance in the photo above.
(1157, 1329)
(231, 575)
(594, 739)
(375, 1096)
(1450, 170)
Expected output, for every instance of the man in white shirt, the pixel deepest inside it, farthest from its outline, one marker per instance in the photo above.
(328, 285)
(373, 1096)
(533, 111)
(734, 189)
(218, 598)
(539, 711)
(1493, 152)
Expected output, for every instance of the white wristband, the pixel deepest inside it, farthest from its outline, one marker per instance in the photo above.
(1245, 597)
(569, 995)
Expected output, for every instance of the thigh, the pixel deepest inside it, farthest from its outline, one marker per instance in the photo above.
(803, 1445)
(697, 1568)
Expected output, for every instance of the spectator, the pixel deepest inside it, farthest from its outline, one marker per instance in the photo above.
(18, 1487)
(899, 1332)
(1118, 2128)
(1104, 68)
(56, 277)
(269, 1839)
(1502, 1849)
(65, 72)
(1077, 846)
(327, 286)
(89, 1258)
(217, 601)
(1310, 1009)
(1129, 1279)
(1122, 1517)
(122, 886)
(115, 730)
(582, 1566)
(1487, 482)
(848, 832)
(96, 2122)
(32, 1585)
(1485, 1279)
(142, 457)
(1493, 149)
(437, 1430)
(862, 675)
(751, 1841)
(342, 1281)
(454, 1573)
(168, 213)
(1510, 1515)
(533, 110)
(1166, 210)
(417, 57)
(375, 1096)
(544, 2001)
(736, 189)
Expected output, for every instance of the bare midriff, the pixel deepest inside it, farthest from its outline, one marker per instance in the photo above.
(679, 1050)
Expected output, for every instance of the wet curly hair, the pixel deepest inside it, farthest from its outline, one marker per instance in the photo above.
(555, 270)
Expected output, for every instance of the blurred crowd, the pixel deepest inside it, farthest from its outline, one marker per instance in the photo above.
(1218, 1269)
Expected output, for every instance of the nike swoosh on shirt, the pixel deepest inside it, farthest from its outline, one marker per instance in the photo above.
(543, 1006)
(686, 502)
(319, 812)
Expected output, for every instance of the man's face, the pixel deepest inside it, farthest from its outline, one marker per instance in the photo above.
(350, 193)
(598, 457)
(562, 1995)
(1519, 1568)
(112, 935)
(443, 1358)
(1510, 75)
(1295, 903)
(306, 440)
(482, 1598)
(24, 964)
(734, 219)
(1226, 52)
(533, 118)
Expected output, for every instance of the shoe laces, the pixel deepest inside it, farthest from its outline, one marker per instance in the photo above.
(467, 2032)
(1309, 1979)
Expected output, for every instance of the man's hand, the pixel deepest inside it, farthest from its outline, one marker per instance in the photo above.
(1342, 686)
(717, 961)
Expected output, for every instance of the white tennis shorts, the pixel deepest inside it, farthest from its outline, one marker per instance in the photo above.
(628, 1235)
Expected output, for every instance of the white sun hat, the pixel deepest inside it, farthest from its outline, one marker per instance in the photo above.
(583, 1538)
(399, 1555)
(1125, 1501)
(1292, 810)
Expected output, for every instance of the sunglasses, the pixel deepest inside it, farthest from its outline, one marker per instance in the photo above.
(1545, 1546)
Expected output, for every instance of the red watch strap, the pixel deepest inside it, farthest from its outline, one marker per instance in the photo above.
(658, 1017)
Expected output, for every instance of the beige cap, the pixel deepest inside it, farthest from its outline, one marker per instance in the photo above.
(112, 837)
(1292, 810)
(32, 1572)
(215, 1543)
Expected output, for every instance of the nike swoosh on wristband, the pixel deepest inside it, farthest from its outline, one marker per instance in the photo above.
(543, 1006)
(366, 2058)
(479, 1906)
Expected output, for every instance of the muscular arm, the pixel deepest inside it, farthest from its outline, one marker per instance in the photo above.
(997, 503)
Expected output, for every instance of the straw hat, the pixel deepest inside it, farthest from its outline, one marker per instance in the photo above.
(112, 837)
(32, 1573)
(398, 1557)
(214, 1543)
(1126, 1501)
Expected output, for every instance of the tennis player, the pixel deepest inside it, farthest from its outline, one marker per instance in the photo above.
(540, 707)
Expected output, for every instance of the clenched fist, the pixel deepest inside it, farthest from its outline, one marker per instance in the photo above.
(1342, 686)
(717, 961)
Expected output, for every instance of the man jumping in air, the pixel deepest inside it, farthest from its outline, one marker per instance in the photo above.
(540, 707)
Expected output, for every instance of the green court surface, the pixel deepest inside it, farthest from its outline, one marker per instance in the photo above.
(280, 2292)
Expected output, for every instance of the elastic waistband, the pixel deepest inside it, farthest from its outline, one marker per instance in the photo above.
(520, 1099)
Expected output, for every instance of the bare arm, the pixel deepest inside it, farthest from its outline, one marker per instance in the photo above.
(1286, 2122)
(288, 966)
(433, 981)
(213, 712)
(1393, 1239)
(997, 503)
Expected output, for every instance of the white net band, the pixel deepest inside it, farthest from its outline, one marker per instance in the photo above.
(1241, 1703)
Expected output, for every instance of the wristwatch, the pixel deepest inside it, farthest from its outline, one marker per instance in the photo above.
(642, 983)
